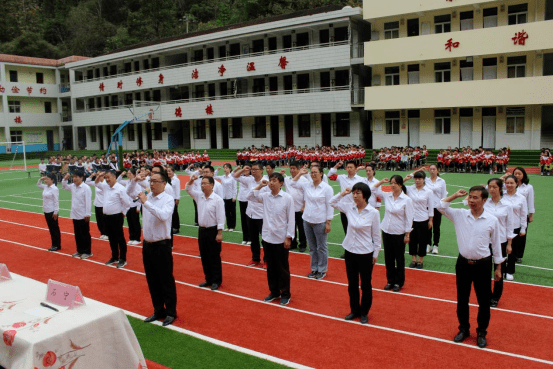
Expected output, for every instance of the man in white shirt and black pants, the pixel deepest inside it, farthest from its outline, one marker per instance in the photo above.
(211, 220)
(476, 230)
(81, 204)
(278, 231)
(157, 210)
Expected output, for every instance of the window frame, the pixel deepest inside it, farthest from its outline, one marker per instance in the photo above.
(441, 116)
(40, 78)
(14, 106)
(259, 127)
(515, 115)
(48, 107)
(157, 131)
(442, 73)
(15, 134)
(235, 125)
(14, 76)
(93, 133)
(131, 134)
(391, 121)
(304, 126)
(391, 33)
(442, 24)
(200, 129)
(342, 125)
(394, 77)
(517, 14)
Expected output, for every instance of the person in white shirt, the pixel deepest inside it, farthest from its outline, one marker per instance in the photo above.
(423, 205)
(198, 172)
(520, 221)
(362, 244)
(98, 206)
(51, 207)
(243, 191)
(230, 191)
(317, 217)
(81, 203)
(211, 220)
(175, 184)
(157, 210)
(396, 229)
(476, 230)
(526, 190)
(209, 171)
(278, 231)
(439, 191)
(299, 240)
(42, 167)
(133, 214)
(116, 205)
(371, 181)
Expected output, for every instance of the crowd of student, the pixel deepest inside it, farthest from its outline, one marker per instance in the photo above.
(546, 162)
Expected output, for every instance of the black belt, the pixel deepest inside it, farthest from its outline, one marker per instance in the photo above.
(157, 243)
(207, 228)
(475, 261)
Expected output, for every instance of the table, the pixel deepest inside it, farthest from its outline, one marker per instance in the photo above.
(92, 336)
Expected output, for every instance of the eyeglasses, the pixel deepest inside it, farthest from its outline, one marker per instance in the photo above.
(156, 181)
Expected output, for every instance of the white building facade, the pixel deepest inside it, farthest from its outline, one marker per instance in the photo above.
(460, 73)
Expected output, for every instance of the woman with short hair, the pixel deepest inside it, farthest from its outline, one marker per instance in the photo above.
(51, 207)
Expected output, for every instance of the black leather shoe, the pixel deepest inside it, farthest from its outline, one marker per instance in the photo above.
(481, 341)
(351, 316)
(493, 303)
(154, 317)
(54, 248)
(215, 286)
(168, 320)
(460, 337)
(204, 284)
(388, 287)
(364, 319)
(397, 288)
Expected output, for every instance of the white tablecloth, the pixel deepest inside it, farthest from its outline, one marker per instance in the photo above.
(92, 336)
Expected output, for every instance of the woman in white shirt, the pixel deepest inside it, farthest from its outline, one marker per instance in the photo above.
(362, 244)
(371, 182)
(243, 192)
(526, 190)
(423, 205)
(520, 221)
(51, 207)
(396, 228)
(230, 191)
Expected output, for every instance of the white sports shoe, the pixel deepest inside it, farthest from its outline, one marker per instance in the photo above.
(435, 249)
(510, 277)
(244, 242)
(428, 249)
(104, 237)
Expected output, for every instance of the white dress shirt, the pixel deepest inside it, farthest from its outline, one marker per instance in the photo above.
(520, 210)
(42, 167)
(363, 234)
(474, 236)
(211, 210)
(308, 177)
(373, 199)
(116, 200)
(244, 189)
(279, 220)
(81, 199)
(503, 211)
(399, 214)
(230, 188)
(98, 193)
(175, 184)
(345, 182)
(132, 196)
(423, 203)
(317, 201)
(527, 190)
(254, 209)
(296, 193)
(50, 197)
(438, 189)
(156, 216)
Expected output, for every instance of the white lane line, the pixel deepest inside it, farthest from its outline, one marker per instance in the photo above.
(407, 333)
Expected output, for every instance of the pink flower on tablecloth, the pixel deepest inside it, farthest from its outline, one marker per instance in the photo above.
(8, 337)
(36, 325)
(49, 359)
(18, 325)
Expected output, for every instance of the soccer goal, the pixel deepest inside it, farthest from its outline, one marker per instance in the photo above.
(13, 156)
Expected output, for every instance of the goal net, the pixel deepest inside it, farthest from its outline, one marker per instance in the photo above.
(13, 156)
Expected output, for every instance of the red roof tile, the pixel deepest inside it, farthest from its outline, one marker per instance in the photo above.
(39, 61)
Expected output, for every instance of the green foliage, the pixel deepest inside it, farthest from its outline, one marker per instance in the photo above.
(30, 43)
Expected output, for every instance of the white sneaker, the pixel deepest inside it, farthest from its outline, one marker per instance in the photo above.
(249, 243)
(435, 249)
(231, 229)
(510, 277)
(244, 242)
(226, 229)
(428, 249)
(104, 237)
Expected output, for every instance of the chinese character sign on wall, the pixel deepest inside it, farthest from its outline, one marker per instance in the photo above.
(139, 81)
(209, 110)
(178, 112)
(450, 44)
(520, 38)
(195, 74)
(160, 79)
(283, 62)
(222, 70)
(250, 66)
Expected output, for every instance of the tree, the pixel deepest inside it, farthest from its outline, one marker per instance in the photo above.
(31, 44)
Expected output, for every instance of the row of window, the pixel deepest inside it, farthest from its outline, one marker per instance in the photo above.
(15, 78)
(15, 106)
(517, 14)
(442, 119)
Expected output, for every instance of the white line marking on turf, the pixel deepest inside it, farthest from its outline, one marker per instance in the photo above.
(341, 320)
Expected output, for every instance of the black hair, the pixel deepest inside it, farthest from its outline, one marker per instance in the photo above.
(295, 164)
(278, 176)
(499, 183)
(209, 179)
(163, 175)
(399, 182)
(435, 165)
(258, 164)
(365, 190)
(419, 174)
(525, 179)
(79, 173)
(271, 164)
(350, 162)
(52, 176)
(210, 168)
(228, 165)
(483, 191)
(513, 178)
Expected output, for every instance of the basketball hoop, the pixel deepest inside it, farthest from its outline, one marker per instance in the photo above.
(150, 116)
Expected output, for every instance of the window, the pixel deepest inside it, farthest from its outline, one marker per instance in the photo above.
(392, 122)
(442, 72)
(114, 100)
(128, 99)
(259, 129)
(155, 63)
(14, 106)
(199, 129)
(515, 120)
(489, 68)
(413, 73)
(158, 129)
(467, 20)
(442, 23)
(16, 136)
(391, 30)
(130, 132)
(490, 17)
(442, 122)
(40, 78)
(392, 76)
(93, 134)
(518, 14)
(516, 66)
(467, 68)
(341, 127)
(48, 106)
(235, 130)
(113, 70)
(304, 125)
(13, 76)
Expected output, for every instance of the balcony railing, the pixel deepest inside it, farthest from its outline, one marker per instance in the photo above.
(65, 87)
(241, 56)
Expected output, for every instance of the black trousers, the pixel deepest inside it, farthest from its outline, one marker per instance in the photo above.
(512, 257)
(99, 211)
(394, 257)
(498, 285)
(278, 269)
(114, 229)
(82, 236)
(522, 242)
(210, 253)
(195, 212)
(418, 239)
(299, 233)
(344, 219)
(478, 274)
(54, 228)
(255, 227)
(230, 213)
(133, 220)
(158, 267)
(245, 220)
(436, 222)
(175, 221)
(359, 266)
